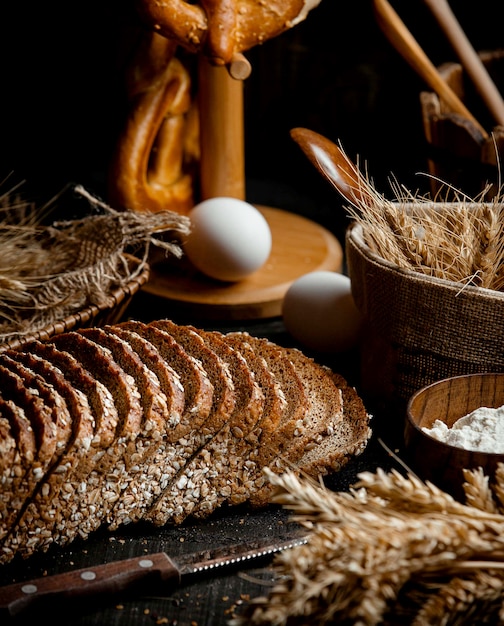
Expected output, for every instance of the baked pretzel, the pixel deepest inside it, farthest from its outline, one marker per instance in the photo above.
(151, 170)
(222, 28)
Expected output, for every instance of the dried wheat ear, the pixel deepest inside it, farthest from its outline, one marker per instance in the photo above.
(392, 550)
(158, 422)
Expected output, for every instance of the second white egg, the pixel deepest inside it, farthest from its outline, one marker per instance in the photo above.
(229, 240)
(319, 311)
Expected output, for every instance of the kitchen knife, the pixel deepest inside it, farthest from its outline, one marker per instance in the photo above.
(131, 574)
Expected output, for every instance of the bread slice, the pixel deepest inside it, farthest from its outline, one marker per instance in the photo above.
(349, 439)
(32, 530)
(15, 482)
(197, 488)
(83, 495)
(233, 484)
(115, 466)
(40, 418)
(322, 419)
(220, 413)
(195, 427)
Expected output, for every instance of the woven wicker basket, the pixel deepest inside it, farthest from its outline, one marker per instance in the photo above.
(109, 313)
(419, 329)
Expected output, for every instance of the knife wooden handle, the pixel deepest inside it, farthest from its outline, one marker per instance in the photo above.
(98, 580)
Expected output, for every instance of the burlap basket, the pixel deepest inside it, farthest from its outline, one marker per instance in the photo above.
(419, 329)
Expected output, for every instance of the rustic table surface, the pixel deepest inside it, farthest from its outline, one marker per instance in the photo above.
(211, 599)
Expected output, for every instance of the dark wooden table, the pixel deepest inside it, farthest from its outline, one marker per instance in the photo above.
(211, 599)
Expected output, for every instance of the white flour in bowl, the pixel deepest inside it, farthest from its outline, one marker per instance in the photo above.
(481, 430)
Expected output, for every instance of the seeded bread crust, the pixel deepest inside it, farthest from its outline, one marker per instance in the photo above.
(32, 531)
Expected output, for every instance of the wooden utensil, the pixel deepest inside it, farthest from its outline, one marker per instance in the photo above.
(333, 164)
(468, 57)
(404, 42)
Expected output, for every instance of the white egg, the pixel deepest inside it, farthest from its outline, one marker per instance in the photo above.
(229, 240)
(318, 310)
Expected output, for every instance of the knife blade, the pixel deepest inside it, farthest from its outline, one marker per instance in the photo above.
(130, 574)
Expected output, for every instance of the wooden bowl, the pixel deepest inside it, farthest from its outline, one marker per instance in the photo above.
(448, 400)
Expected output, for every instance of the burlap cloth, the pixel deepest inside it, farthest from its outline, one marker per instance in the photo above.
(419, 329)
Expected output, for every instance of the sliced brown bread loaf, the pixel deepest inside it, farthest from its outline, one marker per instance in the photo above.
(83, 493)
(33, 529)
(199, 481)
(224, 407)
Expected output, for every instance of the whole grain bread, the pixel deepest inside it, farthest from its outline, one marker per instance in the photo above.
(168, 421)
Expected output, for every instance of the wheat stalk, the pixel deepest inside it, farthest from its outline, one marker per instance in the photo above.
(390, 548)
(460, 239)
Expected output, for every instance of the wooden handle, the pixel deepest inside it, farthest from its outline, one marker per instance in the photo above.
(468, 57)
(222, 167)
(45, 594)
(404, 42)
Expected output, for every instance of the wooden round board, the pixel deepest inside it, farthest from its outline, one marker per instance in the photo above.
(299, 246)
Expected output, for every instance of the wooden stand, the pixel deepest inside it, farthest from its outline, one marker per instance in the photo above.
(299, 245)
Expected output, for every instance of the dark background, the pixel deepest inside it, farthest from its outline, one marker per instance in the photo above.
(62, 97)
